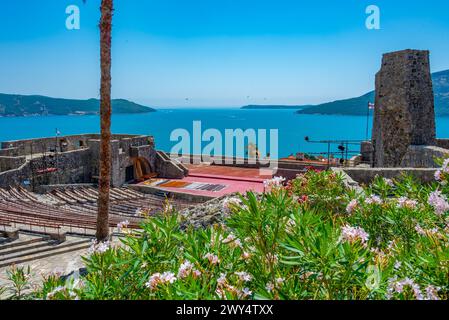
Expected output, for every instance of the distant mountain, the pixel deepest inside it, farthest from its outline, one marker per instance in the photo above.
(20, 105)
(353, 106)
(358, 106)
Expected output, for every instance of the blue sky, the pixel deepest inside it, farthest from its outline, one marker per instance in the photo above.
(215, 52)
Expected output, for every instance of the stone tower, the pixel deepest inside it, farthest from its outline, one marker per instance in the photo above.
(404, 113)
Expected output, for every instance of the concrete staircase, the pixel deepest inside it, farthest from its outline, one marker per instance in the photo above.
(34, 247)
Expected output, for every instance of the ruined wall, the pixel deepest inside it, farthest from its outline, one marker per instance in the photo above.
(423, 156)
(10, 163)
(122, 155)
(76, 162)
(9, 152)
(72, 167)
(404, 113)
(15, 177)
(65, 143)
(43, 145)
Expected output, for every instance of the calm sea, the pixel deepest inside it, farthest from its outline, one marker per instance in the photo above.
(292, 127)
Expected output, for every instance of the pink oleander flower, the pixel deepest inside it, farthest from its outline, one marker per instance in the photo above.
(270, 286)
(280, 281)
(274, 183)
(99, 247)
(154, 281)
(122, 225)
(426, 232)
(246, 255)
(432, 292)
(442, 174)
(389, 182)
(168, 277)
(222, 279)
(220, 293)
(244, 276)
(236, 244)
(420, 230)
(245, 293)
(352, 206)
(196, 273)
(233, 241)
(213, 259)
(231, 237)
(395, 286)
(185, 269)
(404, 202)
(373, 199)
(439, 202)
(353, 234)
(158, 279)
(231, 203)
(378, 252)
(438, 174)
(168, 208)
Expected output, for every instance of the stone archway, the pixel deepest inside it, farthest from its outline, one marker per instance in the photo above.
(142, 169)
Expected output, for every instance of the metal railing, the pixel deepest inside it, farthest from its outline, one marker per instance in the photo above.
(341, 151)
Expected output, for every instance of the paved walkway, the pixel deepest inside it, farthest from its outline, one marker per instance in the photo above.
(62, 264)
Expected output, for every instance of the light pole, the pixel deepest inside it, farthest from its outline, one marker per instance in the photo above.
(56, 155)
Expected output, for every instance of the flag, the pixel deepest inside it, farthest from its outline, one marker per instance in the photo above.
(371, 106)
(58, 133)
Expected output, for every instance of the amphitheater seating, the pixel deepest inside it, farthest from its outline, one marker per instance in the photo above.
(76, 207)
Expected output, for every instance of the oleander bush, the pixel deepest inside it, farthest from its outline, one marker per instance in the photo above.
(312, 238)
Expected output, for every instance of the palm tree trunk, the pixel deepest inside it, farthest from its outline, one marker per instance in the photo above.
(105, 116)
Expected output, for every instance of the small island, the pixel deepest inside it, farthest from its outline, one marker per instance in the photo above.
(14, 105)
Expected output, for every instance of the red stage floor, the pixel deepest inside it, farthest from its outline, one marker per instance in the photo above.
(231, 178)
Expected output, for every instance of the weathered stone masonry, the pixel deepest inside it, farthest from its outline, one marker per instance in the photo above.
(404, 113)
(404, 134)
(34, 162)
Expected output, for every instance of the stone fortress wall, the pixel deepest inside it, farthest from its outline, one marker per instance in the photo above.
(75, 159)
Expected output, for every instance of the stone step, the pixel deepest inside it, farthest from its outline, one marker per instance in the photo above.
(30, 245)
(45, 252)
(20, 243)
